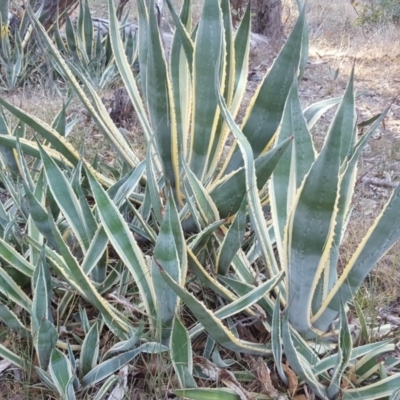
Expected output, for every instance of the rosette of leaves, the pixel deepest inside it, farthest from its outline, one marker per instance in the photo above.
(88, 51)
(136, 249)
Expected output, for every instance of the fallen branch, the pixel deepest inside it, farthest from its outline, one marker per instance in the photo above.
(378, 182)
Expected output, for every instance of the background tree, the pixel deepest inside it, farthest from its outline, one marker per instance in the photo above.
(267, 17)
(14, 15)
(53, 9)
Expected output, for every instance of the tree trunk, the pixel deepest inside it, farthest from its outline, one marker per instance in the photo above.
(268, 19)
(54, 9)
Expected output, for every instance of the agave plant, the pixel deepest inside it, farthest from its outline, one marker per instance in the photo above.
(88, 52)
(137, 249)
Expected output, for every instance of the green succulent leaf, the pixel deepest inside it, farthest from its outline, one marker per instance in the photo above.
(208, 44)
(310, 226)
(62, 375)
(166, 256)
(124, 243)
(212, 324)
(90, 350)
(13, 322)
(208, 394)
(181, 354)
(378, 390)
(106, 368)
(265, 111)
(233, 240)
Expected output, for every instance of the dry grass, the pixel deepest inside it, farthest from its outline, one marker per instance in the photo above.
(376, 53)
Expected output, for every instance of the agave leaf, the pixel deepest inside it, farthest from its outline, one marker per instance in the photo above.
(112, 365)
(347, 186)
(125, 345)
(59, 123)
(90, 350)
(207, 394)
(368, 365)
(161, 105)
(32, 149)
(68, 267)
(267, 305)
(242, 303)
(61, 374)
(119, 193)
(248, 299)
(255, 210)
(34, 256)
(13, 292)
(152, 186)
(66, 199)
(181, 63)
(395, 395)
(212, 324)
(205, 204)
(12, 257)
(276, 340)
(123, 242)
(106, 387)
(85, 26)
(166, 256)
(46, 131)
(228, 83)
(265, 111)
(182, 38)
(206, 278)
(13, 322)
(95, 251)
(233, 240)
(194, 222)
(39, 215)
(227, 193)
(332, 360)
(310, 226)
(44, 339)
(181, 354)
(143, 22)
(4, 16)
(208, 44)
(202, 239)
(314, 112)
(242, 51)
(13, 358)
(381, 389)
(293, 165)
(344, 354)
(180, 243)
(147, 232)
(71, 39)
(363, 323)
(304, 44)
(298, 363)
(379, 239)
(94, 105)
(46, 379)
(8, 154)
(42, 291)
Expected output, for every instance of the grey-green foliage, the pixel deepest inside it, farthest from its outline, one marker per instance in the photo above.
(88, 50)
(377, 12)
(120, 245)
